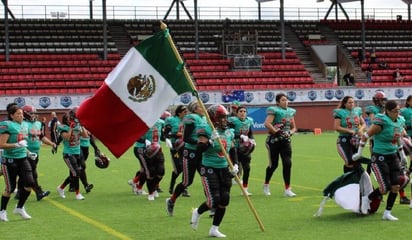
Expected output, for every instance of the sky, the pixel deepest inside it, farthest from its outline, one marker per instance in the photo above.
(214, 3)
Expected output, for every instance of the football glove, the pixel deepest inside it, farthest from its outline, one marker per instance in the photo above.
(21, 143)
(32, 155)
(234, 170)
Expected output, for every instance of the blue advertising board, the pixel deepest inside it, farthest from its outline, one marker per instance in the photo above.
(259, 115)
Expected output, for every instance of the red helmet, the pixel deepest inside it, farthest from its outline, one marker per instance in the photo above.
(217, 113)
(152, 150)
(102, 161)
(29, 112)
(407, 145)
(374, 204)
(246, 147)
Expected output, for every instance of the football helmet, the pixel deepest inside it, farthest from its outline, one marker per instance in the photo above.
(165, 115)
(101, 161)
(29, 112)
(379, 99)
(216, 113)
(246, 147)
(407, 145)
(152, 150)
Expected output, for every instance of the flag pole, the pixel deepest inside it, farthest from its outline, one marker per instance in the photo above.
(163, 27)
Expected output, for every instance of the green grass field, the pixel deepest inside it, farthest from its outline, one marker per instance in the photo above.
(112, 211)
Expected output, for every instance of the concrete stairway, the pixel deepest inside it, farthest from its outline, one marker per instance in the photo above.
(303, 54)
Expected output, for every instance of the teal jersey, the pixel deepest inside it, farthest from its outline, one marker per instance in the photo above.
(283, 116)
(386, 142)
(348, 118)
(241, 127)
(17, 132)
(84, 141)
(71, 146)
(373, 109)
(198, 121)
(214, 156)
(35, 135)
(406, 112)
(153, 134)
(175, 125)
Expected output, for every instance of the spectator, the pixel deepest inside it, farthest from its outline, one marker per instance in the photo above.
(383, 65)
(397, 76)
(361, 56)
(369, 71)
(372, 55)
(349, 79)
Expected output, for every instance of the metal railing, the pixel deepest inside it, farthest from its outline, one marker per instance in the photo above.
(158, 12)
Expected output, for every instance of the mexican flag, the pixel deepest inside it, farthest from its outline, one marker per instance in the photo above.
(134, 95)
(347, 190)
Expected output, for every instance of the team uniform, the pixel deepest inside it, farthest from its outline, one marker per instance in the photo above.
(243, 128)
(15, 163)
(173, 131)
(215, 174)
(191, 159)
(151, 158)
(346, 143)
(84, 154)
(279, 144)
(34, 141)
(406, 112)
(72, 158)
(385, 159)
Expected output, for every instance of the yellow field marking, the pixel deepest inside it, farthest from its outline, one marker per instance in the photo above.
(88, 220)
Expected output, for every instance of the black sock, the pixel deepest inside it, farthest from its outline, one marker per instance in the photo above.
(23, 197)
(4, 202)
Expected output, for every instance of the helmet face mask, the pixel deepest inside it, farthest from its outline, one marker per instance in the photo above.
(218, 115)
(101, 161)
(29, 113)
(379, 99)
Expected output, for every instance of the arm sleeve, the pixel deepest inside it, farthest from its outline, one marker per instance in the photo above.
(233, 155)
(187, 135)
(93, 143)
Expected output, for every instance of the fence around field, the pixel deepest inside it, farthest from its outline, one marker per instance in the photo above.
(159, 12)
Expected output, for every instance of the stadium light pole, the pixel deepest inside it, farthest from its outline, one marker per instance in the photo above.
(91, 8)
(282, 24)
(6, 30)
(196, 31)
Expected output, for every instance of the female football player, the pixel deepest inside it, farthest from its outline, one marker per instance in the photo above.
(215, 173)
(406, 112)
(35, 138)
(13, 141)
(191, 159)
(173, 132)
(349, 123)
(71, 131)
(280, 123)
(387, 130)
(244, 143)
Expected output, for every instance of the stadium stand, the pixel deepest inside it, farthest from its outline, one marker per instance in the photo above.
(390, 38)
(65, 56)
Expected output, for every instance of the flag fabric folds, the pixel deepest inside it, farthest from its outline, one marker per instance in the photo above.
(134, 95)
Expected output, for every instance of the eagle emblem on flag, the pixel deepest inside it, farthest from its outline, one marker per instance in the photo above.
(141, 87)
